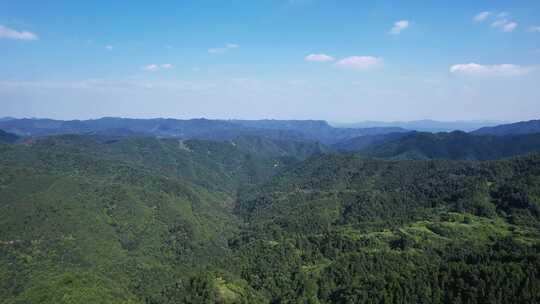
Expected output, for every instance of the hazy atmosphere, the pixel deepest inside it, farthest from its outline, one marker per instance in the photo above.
(342, 61)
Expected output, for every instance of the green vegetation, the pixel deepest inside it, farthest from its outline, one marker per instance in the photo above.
(97, 219)
(456, 145)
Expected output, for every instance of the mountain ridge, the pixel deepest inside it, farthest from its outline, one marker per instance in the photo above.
(522, 127)
(200, 128)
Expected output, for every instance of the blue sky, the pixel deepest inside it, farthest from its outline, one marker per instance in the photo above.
(302, 59)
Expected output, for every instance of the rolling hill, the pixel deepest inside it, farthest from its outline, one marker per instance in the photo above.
(116, 219)
(523, 127)
(455, 145)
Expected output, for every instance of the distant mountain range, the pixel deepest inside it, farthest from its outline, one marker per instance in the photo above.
(455, 145)
(381, 140)
(424, 125)
(485, 143)
(523, 127)
(308, 130)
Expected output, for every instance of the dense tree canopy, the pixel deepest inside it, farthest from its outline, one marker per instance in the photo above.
(101, 219)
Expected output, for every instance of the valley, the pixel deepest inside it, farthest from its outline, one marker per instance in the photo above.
(108, 218)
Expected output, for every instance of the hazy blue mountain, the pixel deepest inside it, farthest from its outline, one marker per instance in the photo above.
(456, 145)
(7, 138)
(522, 127)
(308, 130)
(317, 129)
(424, 125)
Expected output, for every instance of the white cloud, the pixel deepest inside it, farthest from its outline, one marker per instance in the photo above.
(499, 70)
(399, 26)
(509, 27)
(9, 33)
(482, 16)
(535, 29)
(151, 67)
(500, 22)
(109, 47)
(156, 67)
(504, 25)
(222, 50)
(319, 58)
(359, 63)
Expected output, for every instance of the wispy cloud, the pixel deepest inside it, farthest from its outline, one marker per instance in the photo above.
(223, 50)
(534, 29)
(319, 58)
(109, 47)
(504, 25)
(156, 67)
(498, 70)
(108, 84)
(399, 26)
(9, 33)
(482, 16)
(510, 27)
(500, 20)
(359, 63)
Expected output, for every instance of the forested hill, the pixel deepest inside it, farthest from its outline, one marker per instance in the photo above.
(93, 219)
(78, 226)
(522, 127)
(220, 165)
(364, 142)
(108, 219)
(455, 145)
(347, 229)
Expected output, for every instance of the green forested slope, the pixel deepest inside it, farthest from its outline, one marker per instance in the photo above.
(454, 145)
(345, 229)
(81, 229)
(90, 219)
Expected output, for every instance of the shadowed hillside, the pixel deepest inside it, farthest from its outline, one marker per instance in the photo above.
(522, 127)
(454, 145)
